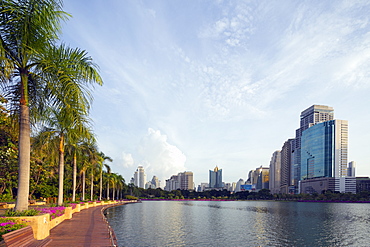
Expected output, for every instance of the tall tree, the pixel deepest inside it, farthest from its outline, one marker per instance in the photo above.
(36, 72)
(102, 163)
(26, 29)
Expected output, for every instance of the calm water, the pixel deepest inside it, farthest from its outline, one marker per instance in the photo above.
(241, 223)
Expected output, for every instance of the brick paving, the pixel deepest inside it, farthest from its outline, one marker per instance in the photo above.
(86, 228)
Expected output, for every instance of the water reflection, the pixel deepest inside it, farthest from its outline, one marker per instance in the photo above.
(245, 223)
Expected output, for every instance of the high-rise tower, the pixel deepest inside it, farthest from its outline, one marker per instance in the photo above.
(139, 177)
(309, 117)
(324, 149)
(275, 172)
(287, 168)
(215, 178)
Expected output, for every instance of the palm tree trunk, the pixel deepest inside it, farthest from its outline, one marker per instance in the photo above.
(74, 177)
(23, 159)
(92, 185)
(113, 192)
(83, 185)
(108, 190)
(61, 170)
(101, 184)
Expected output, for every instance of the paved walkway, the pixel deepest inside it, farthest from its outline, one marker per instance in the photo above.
(86, 228)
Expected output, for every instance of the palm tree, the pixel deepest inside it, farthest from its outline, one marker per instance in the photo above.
(102, 163)
(87, 148)
(68, 124)
(108, 178)
(76, 150)
(35, 72)
(26, 29)
(120, 185)
(94, 160)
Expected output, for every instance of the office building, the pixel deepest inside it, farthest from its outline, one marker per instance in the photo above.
(362, 184)
(351, 170)
(287, 168)
(202, 187)
(215, 179)
(259, 178)
(324, 150)
(309, 117)
(186, 180)
(182, 181)
(239, 184)
(172, 183)
(275, 173)
(324, 155)
(153, 184)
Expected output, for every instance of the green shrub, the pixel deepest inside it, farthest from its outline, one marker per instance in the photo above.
(13, 213)
(128, 197)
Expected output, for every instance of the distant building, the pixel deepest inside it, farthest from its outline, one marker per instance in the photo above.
(287, 168)
(263, 178)
(186, 180)
(155, 182)
(202, 187)
(324, 149)
(239, 185)
(233, 186)
(172, 183)
(351, 170)
(362, 184)
(228, 187)
(182, 181)
(139, 177)
(259, 178)
(275, 173)
(215, 178)
(309, 117)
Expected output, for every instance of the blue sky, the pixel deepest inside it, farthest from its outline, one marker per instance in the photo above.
(189, 85)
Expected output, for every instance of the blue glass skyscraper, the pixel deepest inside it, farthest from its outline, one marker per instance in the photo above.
(324, 150)
(215, 178)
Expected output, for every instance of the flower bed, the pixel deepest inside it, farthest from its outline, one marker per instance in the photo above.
(53, 211)
(8, 225)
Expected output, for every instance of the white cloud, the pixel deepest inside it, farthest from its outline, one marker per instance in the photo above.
(160, 158)
(128, 161)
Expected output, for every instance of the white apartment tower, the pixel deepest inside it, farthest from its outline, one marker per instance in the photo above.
(139, 177)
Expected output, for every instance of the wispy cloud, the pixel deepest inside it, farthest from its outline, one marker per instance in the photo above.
(218, 78)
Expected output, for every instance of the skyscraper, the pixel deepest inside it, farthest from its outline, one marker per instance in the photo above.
(186, 180)
(182, 181)
(351, 171)
(287, 168)
(324, 149)
(215, 178)
(263, 178)
(275, 172)
(309, 117)
(139, 177)
(155, 182)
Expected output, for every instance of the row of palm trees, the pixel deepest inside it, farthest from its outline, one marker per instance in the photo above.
(48, 86)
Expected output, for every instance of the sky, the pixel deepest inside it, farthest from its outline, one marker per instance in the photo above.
(190, 85)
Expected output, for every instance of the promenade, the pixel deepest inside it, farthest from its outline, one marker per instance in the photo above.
(86, 228)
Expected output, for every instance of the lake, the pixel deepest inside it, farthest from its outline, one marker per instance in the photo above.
(241, 223)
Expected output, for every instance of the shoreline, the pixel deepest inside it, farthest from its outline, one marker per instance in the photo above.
(323, 201)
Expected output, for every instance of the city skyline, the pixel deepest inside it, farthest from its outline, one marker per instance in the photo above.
(191, 86)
